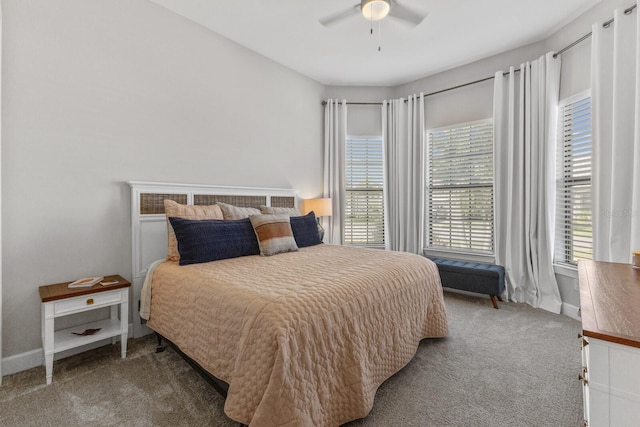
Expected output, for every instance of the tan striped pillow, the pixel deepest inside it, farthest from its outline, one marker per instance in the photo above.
(274, 234)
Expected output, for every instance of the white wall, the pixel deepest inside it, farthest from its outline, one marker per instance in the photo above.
(96, 93)
(359, 93)
(362, 120)
(469, 103)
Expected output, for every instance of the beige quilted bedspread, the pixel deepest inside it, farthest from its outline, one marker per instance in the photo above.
(302, 338)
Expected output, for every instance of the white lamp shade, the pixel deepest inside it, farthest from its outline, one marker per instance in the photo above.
(375, 10)
(320, 207)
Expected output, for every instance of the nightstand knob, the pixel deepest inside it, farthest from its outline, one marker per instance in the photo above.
(89, 301)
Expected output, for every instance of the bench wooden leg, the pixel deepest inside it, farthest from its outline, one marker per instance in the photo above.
(494, 301)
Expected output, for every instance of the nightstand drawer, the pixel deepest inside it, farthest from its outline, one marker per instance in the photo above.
(84, 302)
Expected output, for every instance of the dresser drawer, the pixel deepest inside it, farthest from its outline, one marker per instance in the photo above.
(624, 366)
(87, 302)
(613, 390)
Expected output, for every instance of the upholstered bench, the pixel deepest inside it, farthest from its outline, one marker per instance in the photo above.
(472, 277)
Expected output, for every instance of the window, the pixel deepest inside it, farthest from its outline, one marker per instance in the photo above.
(573, 208)
(459, 199)
(364, 199)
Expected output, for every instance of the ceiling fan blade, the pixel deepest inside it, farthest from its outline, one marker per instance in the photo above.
(403, 12)
(335, 18)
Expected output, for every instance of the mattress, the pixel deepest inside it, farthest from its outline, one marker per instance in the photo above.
(302, 338)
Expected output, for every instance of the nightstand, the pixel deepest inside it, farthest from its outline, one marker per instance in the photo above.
(60, 300)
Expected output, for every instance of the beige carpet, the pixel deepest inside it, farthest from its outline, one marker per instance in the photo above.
(516, 366)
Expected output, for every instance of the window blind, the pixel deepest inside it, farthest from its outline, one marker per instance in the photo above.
(459, 200)
(573, 207)
(364, 197)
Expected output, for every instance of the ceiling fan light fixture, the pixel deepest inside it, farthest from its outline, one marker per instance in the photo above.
(375, 10)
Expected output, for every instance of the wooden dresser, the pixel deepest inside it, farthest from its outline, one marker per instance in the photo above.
(610, 310)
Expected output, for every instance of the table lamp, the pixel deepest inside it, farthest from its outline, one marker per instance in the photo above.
(320, 207)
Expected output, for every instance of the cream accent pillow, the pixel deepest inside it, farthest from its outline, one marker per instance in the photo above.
(236, 212)
(274, 234)
(174, 209)
(270, 210)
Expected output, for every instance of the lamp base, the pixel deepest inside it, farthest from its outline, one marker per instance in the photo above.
(320, 231)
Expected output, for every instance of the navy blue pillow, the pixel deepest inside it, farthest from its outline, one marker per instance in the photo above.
(214, 239)
(305, 230)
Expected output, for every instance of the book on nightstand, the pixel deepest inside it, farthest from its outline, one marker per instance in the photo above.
(85, 282)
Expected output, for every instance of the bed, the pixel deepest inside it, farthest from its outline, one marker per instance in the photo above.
(303, 337)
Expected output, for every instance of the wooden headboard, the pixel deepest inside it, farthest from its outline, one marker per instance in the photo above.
(149, 225)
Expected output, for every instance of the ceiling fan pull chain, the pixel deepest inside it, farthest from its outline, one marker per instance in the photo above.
(371, 21)
(379, 36)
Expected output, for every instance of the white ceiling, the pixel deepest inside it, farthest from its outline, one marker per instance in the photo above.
(455, 32)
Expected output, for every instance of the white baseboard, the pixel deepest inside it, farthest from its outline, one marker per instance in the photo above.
(571, 311)
(34, 358)
(22, 362)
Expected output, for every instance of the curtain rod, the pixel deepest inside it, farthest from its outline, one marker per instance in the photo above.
(432, 93)
(606, 24)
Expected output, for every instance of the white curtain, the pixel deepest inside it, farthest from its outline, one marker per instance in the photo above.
(525, 118)
(403, 135)
(335, 131)
(615, 93)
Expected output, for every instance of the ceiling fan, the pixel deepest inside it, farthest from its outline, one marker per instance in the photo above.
(375, 10)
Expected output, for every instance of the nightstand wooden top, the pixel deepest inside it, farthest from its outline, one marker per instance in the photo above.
(61, 290)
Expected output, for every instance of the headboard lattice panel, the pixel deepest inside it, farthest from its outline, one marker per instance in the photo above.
(283, 202)
(153, 203)
(241, 201)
